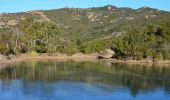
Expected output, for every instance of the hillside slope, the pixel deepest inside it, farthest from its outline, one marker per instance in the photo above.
(92, 22)
(81, 27)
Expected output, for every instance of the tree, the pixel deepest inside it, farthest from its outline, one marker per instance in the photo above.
(39, 36)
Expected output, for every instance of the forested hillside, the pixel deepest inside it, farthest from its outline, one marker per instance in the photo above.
(142, 33)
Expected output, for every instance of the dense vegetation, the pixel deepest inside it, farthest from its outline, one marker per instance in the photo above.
(151, 42)
(134, 34)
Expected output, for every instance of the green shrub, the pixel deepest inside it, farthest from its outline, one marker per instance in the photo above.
(32, 53)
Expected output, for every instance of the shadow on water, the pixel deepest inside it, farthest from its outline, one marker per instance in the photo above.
(109, 76)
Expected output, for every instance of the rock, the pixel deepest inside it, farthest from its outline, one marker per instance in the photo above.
(153, 16)
(146, 17)
(130, 18)
(109, 7)
(2, 24)
(2, 57)
(12, 22)
(108, 53)
(40, 13)
(100, 57)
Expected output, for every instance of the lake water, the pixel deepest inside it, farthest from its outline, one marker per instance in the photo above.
(53, 80)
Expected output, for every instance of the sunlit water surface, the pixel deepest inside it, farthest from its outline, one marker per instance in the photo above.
(53, 80)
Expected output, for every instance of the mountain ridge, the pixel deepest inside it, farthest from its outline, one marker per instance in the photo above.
(108, 18)
(83, 8)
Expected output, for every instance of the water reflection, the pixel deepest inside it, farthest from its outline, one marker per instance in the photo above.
(102, 78)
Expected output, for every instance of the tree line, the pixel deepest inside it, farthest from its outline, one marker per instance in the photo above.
(149, 42)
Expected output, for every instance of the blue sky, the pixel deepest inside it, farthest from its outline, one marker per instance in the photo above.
(26, 5)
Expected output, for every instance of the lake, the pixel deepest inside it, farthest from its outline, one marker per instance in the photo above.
(58, 80)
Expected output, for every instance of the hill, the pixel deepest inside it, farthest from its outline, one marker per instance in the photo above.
(70, 30)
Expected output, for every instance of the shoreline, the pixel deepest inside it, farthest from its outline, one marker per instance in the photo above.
(79, 58)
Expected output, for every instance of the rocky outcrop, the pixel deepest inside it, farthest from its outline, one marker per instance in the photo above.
(12, 22)
(108, 53)
(2, 24)
(41, 14)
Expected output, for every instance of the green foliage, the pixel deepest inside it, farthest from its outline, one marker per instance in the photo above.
(92, 47)
(3, 48)
(134, 34)
(149, 42)
(70, 50)
(39, 35)
(32, 53)
(166, 55)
